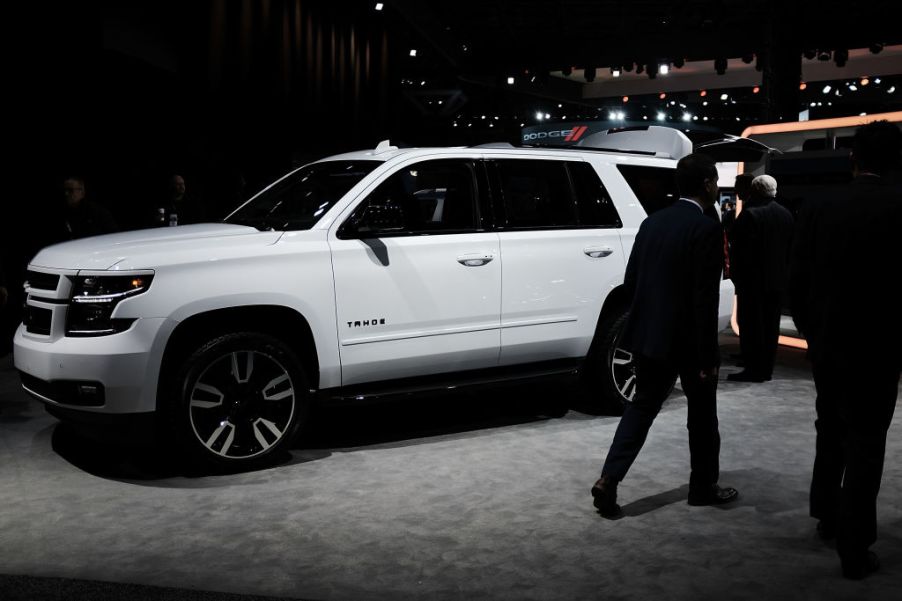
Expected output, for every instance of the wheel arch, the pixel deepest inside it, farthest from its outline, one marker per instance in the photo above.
(284, 323)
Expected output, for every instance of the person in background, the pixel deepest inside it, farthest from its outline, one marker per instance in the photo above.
(759, 264)
(845, 253)
(673, 284)
(179, 208)
(83, 217)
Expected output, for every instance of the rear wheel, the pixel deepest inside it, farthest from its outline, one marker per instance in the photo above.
(241, 399)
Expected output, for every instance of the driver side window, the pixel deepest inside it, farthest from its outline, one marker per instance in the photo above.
(431, 197)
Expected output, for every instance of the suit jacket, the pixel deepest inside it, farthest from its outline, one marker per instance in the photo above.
(673, 281)
(759, 248)
(845, 260)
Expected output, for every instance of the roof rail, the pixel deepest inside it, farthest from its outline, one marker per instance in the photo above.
(647, 153)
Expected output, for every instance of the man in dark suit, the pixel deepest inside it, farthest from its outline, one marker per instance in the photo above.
(845, 254)
(673, 281)
(759, 265)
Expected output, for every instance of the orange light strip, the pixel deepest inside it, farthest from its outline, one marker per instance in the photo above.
(776, 128)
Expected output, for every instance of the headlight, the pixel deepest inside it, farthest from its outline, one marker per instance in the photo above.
(95, 297)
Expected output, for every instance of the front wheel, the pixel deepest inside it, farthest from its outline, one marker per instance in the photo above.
(241, 399)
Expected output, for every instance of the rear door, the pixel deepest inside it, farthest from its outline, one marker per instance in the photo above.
(559, 237)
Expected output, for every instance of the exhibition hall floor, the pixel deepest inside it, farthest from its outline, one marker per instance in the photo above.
(452, 497)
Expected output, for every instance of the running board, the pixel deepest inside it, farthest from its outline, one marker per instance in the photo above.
(496, 377)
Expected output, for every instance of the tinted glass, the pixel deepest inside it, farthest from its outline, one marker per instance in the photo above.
(536, 194)
(655, 187)
(298, 201)
(430, 197)
(594, 202)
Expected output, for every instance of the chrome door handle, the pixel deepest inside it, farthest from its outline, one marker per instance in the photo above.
(596, 252)
(475, 260)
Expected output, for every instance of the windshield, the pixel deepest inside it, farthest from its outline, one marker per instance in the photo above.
(299, 200)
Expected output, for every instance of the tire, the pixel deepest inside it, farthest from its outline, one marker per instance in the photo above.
(240, 399)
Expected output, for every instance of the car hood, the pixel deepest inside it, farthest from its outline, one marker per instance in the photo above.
(146, 249)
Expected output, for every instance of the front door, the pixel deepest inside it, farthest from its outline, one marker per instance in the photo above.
(417, 283)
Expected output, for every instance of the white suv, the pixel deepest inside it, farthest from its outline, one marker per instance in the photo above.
(362, 274)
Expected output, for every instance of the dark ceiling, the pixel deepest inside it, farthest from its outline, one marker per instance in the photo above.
(500, 36)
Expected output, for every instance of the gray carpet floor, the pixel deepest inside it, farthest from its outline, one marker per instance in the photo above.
(456, 496)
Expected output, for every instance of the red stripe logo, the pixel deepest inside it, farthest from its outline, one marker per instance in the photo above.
(576, 133)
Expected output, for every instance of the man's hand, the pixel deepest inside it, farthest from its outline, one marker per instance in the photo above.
(709, 373)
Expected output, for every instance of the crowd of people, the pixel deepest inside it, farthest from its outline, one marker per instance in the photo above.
(831, 259)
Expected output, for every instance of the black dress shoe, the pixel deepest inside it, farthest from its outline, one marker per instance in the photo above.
(860, 565)
(747, 376)
(713, 495)
(604, 497)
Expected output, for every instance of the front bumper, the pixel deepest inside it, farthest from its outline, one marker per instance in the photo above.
(126, 365)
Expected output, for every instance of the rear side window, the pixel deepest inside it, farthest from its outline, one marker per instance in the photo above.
(536, 194)
(655, 187)
(595, 205)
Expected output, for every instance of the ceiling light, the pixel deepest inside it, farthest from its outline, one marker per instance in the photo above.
(510, 81)
(865, 81)
(853, 87)
(548, 115)
(379, 6)
(621, 115)
(661, 116)
(826, 89)
(724, 96)
(539, 115)
(687, 117)
(664, 69)
(803, 85)
(413, 52)
(626, 98)
(891, 90)
(823, 55)
(756, 89)
(662, 95)
(705, 103)
(615, 71)
(877, 80)
(703, 93)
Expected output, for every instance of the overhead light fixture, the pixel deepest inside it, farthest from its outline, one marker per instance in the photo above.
(803, 85)
(891, 90)
(539, 115)
(615, 71)
(662, 95)
(724, 96)
(810, 54)
(510, 81)
(756, 89)
(379, 6)
(827, 89)
(589, 74)
(661, 116)
(853, 87)
(687, 117)
(679, 62)
(875, 48)
(864, 81)
(877, 80)
(703, 93)
(413, 52)
(720, 65)
(823, 55)
(664, 69)
(626, 98)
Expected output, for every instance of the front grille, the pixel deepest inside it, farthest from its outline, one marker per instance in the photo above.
(37, 320)
(66, 392)
(41, 281)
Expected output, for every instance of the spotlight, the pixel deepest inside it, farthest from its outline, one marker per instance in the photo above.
(687, 117)
(748, 58)
(615, 71)
(803, 85)
(841, 57)
(877, 80)
(703, 93)
(875, 48)
(891, 90)
(826, 89)
(590, 74)
(853, 87)
(756, 89)
(510, 81)
(810, 54)
(661, 116)
(662, 95)
(413, 52)
(539, 115)
(664, 69)
(864, 81)
(720, 65)
(823, 55)
(626, 98)
(724, 96)
(379, 6)
(679, 62)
